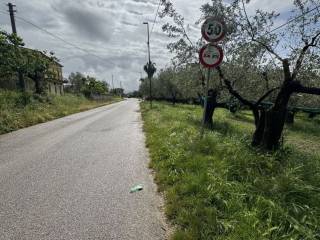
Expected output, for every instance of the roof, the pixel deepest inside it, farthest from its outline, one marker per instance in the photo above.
(38, 51)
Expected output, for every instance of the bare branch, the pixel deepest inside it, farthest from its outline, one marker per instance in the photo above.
(232, 91)
(248, 21)
(265, 96)
(253, 38)
(314, 43)
(286, 70)
(186, 35)
(268, 48)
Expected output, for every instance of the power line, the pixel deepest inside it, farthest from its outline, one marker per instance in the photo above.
(292, 20)
(155, 17)
(286, 23)
(62, 40)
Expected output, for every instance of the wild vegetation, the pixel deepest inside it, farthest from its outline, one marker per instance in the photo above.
(253, 173)
(19, 110)
(23, 107)
(86, 85)
(219, 187)
(16, 60)
(262, 63)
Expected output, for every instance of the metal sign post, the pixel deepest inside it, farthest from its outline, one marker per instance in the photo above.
(206, 96)
(211, 55)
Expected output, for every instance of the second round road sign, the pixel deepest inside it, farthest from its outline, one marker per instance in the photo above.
(211, 55)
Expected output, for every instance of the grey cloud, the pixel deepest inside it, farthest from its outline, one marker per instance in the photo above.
(135, 13)
(89, 24)
(143, 1)
(129, 24)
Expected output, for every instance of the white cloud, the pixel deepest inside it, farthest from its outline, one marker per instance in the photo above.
(110, 29)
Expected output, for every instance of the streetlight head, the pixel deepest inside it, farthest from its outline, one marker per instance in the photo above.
(145, 23)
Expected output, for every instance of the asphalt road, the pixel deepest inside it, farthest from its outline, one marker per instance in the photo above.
(70, 179)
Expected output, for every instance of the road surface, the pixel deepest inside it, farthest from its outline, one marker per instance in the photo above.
(70, 179)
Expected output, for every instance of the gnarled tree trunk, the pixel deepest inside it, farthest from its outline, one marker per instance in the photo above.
(209, 107)
(174, 98)
(259, 117)
(290, 117)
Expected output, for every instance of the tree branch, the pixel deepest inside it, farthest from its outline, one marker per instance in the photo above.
(248, 21)
(265, 95)
(308, 90)
(268, 48)
(314, 42)
(232, 91)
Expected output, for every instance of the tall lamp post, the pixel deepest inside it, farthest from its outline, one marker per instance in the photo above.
(149, 64)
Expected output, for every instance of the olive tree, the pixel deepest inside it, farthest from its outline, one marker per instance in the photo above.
(253, 42)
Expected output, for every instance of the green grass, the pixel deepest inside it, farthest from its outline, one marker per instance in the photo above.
(14, 114)
(219, 187)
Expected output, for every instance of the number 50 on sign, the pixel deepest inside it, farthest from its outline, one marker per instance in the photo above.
(213, 30)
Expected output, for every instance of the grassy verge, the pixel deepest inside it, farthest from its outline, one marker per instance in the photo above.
(15, 115)
(218, 187)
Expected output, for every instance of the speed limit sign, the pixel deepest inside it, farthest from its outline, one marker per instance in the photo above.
(210, 55)
(213, 30)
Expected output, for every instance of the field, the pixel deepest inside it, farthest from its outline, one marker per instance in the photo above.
(22, 110)
(219, 187)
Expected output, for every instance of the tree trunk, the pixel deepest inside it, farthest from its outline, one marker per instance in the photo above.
(275, 118)
(312, 115)
(290, 117)
(21, 81)
(259, 117)
(173, 99)
(274, 123)
(37, 85)
(38, 82)
(201, 100)
(210, 106)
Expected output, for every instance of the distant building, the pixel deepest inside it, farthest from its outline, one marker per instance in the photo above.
(52, 81)
(55, 80)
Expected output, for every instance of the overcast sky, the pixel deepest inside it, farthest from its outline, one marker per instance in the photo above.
(110, 29)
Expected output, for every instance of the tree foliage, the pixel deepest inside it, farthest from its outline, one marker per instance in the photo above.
(24, 62)
(174, 83)
(87, 85)
(261, 63)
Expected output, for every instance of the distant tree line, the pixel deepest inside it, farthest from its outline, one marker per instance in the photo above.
(86, 85)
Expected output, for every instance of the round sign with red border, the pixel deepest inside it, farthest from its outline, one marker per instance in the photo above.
(213, 30)
(211, 55)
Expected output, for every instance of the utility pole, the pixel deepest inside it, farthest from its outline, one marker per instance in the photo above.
(13, 22)
(14, 31)
(112, 83)
(150, 91)
(120, 89)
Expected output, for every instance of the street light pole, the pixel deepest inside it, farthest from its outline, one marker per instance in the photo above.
(148, 40)
(150, 91)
